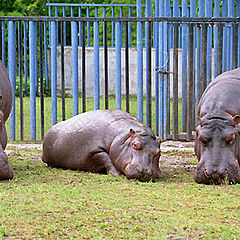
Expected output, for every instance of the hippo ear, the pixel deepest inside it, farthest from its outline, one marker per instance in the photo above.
(236, 120)
(159, 140)
(131, 132)
(199, 120)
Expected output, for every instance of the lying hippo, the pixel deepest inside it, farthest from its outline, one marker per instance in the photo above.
(217, 143)
(6, 171)
(110, 141)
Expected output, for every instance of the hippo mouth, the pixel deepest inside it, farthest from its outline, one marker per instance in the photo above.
(132, 172)
(225, 178)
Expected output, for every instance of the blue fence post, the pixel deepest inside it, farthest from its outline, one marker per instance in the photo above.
(156, 45)
(74, 37)
(45, 54)
(184, 67)
(129, 27)
(208, 13)
(166, 48)
(225, 40)
(96, 63)
(80, 26)
(25, 57)
(3, 43)
(53, 72)
(113, 15)
(216, 14)
(12, 71)
(147, 14)
(33, 76)
(49, 14)
(160, 67)
(238, 15)
(230, 33)
(139, 63)
(118, 65)
(88, 29)
(64, 27)
(199, 51)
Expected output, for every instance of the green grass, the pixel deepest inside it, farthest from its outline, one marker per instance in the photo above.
(69, 112)
(47, 203)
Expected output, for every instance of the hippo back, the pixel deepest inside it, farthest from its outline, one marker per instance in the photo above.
(5, 92)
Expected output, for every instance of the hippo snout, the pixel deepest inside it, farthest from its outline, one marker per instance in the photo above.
(210, 175)
(138, 172)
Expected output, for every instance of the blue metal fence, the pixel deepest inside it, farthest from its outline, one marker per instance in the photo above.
(214, 40)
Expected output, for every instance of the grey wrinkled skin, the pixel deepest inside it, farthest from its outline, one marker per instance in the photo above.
(217, 143)
(104, 141)
(6, 171)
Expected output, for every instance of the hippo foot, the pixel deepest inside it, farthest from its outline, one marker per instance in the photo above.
(6, 171)
(114, 172)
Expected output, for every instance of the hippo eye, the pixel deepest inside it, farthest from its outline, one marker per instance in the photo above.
(230, 139)
(136, 145)
(204, 139)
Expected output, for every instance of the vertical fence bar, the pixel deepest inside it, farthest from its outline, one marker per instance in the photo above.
(238, 15)
(12, 71)
(148, 54)
(225, 40)
(208, 13)
(3, 43)
(74, 38)
(106, 63)
(204, 58)
(41, 77)
(175, 81)
(20, 77)
(230, 33)
(127, 64)
(149, 79)
(62, 72)
(139, 63)
(53, 72)
(64, 28)
(1, 40)
(184, 67)
(220, 49)
(45, 55)
(96, 64)
(156, 45)
(88, 29)
(190, 84)
(83, 67)
(161, 66)
(235, 46)
(33, 75)
(113, 14)
(118, 65)
(25, 57)
(216, 14)
(80, 27)
(129, 27)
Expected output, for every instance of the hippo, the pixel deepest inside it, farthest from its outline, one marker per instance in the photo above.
(104, 141)
(217, 142)
(6, 171)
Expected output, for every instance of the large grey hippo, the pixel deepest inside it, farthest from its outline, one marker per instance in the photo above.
(110, 141)
(6, 171)
(217, 143)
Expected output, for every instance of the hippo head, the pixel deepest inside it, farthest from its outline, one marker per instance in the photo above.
(139, 156)
(217, 147)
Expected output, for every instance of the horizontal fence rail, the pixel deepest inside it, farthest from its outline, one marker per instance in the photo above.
(160, 80)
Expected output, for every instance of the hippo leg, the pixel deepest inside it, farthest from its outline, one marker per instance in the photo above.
(104, 159)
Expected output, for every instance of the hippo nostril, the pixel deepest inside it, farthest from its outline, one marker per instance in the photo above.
(224, 173)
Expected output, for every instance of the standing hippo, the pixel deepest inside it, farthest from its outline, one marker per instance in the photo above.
(6, 171)
(110, 141)
(217, 143)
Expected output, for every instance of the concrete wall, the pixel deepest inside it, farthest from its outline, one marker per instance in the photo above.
(111, 70)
